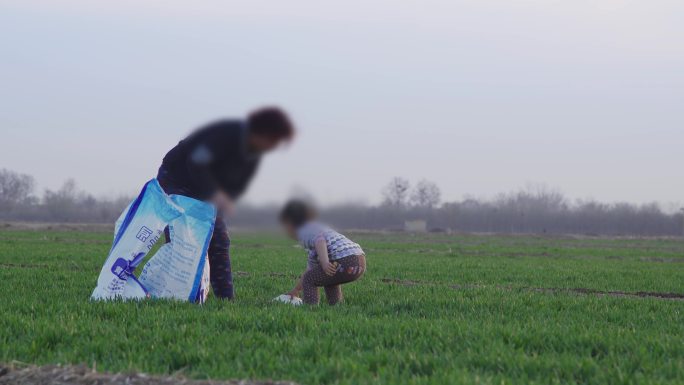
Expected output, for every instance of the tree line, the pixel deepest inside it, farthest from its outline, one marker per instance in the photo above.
(531, 210)
(18, 202)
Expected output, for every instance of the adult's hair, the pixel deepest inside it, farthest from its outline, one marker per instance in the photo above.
(271, 122)
(297, 212)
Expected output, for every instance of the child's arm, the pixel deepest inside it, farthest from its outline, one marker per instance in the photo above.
(322, 251)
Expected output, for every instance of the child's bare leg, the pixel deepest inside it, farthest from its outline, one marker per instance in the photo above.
(334, 294)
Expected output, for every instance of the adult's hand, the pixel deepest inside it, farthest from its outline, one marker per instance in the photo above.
(223, 203)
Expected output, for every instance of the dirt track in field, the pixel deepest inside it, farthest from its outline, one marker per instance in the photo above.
(82, 375)
(39, 226)
(579, 290)
(642, 294)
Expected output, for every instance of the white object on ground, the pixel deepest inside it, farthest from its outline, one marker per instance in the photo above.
(286, 298)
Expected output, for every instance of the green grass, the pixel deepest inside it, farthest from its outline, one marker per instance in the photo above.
(432, 309)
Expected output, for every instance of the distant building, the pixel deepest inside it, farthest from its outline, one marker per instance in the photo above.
(418, 226)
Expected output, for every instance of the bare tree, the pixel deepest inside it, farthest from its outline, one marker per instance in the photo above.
(68, 204)
(15, 189)
(395, 193)
(426, 194)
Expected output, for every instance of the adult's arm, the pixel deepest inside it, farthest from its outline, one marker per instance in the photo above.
(209, 145)
(237, 192)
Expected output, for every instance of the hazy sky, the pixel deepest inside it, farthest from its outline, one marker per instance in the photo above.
(479, 96)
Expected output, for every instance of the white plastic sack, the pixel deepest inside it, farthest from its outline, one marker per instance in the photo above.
(140, 227)
(179, 269)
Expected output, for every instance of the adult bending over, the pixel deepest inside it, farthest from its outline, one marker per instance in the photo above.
(216, 164)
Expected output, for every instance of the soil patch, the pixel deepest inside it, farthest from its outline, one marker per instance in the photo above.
(662, 260)
(579, 290)
(404, 282)
(24, 265)
(80, 227)
(82, 375)
(282, 275)
(613, 293)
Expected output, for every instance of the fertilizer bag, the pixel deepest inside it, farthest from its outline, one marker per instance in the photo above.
(180, 270)
(137, 230)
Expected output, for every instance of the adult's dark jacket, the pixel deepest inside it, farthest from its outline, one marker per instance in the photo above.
(213, 157)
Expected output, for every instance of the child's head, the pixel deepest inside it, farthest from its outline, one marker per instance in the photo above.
(295, 214)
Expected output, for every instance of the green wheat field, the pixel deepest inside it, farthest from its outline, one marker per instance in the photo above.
(432, 309)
